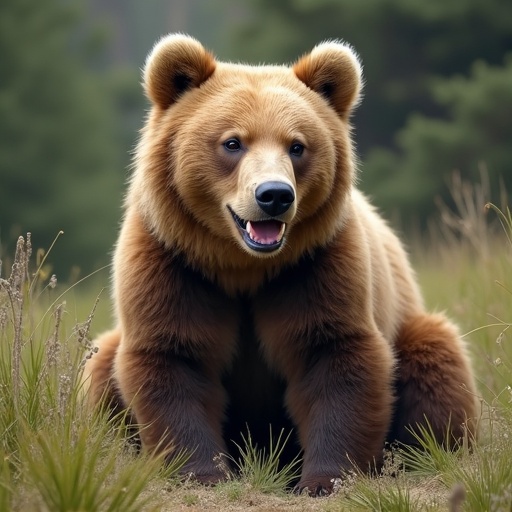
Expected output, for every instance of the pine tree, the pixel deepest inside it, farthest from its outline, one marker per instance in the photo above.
(61, 163)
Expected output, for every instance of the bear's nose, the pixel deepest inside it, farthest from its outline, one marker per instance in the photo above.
(274, 197)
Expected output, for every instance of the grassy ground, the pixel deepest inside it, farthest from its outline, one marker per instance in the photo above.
(56, 456)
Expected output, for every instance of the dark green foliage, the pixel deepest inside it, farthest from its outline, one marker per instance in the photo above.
(476, 131)
(61, 154)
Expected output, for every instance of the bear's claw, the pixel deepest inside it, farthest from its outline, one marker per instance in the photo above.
(315, 486)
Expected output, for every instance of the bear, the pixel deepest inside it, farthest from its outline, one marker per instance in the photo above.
(255, 285)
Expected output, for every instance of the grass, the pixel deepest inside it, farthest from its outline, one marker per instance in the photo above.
(261, 470)
(56, 455)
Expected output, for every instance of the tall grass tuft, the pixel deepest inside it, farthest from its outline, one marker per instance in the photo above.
(429, 458)
(382, 498)
(261, 470)
(55, 454)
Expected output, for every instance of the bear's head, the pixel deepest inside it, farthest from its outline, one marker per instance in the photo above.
(242, 167)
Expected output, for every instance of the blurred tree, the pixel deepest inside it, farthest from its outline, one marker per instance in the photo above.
(477, 129)
(406, 48)
(61, 153)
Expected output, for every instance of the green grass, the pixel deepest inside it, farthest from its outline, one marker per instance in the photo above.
(382, 498)
(469, 277)
(56, 455)
(260, 468)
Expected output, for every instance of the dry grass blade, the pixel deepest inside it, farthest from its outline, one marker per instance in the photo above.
(468, 221)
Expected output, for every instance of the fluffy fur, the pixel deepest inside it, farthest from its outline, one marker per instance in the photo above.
(323, 326)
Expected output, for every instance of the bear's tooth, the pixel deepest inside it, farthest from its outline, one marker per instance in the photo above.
(281, 232)
(250, 231)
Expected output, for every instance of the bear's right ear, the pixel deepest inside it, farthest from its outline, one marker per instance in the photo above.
(176, 64)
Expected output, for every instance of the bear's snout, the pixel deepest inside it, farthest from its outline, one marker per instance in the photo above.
(274, 197)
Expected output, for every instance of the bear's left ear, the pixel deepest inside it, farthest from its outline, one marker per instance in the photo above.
(332, 70)
(176, 64)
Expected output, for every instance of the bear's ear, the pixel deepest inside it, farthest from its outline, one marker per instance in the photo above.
(332, 70)
(176, 64)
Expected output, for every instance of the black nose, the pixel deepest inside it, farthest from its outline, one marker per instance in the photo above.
(274, 197)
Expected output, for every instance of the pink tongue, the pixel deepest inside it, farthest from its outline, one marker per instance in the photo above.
(266, 231)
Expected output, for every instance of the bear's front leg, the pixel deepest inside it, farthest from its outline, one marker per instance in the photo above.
(342, 405)
(179, 406)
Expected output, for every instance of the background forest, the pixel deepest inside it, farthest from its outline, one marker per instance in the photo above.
(438, 97)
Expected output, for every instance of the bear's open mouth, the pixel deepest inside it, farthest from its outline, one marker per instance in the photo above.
(260, 235)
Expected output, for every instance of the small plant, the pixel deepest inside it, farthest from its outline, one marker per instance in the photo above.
(377, 497)
(190, 499)
(261, 470)
(232, 489)
(87, 466)
(488, 481)
(429, 458)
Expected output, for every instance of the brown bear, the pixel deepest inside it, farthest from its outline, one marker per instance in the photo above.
(254, 284)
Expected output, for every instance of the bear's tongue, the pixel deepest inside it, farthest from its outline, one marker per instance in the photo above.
(266, 231)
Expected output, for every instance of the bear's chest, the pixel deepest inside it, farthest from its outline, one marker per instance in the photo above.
(250, 382)
(255, 393)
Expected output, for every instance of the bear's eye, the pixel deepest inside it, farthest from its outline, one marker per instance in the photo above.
(296, 149)
(233, 145)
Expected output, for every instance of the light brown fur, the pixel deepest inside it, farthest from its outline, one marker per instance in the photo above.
(212, 332)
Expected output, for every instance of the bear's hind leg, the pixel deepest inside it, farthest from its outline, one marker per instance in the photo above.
(98, 380)
(434, 382)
